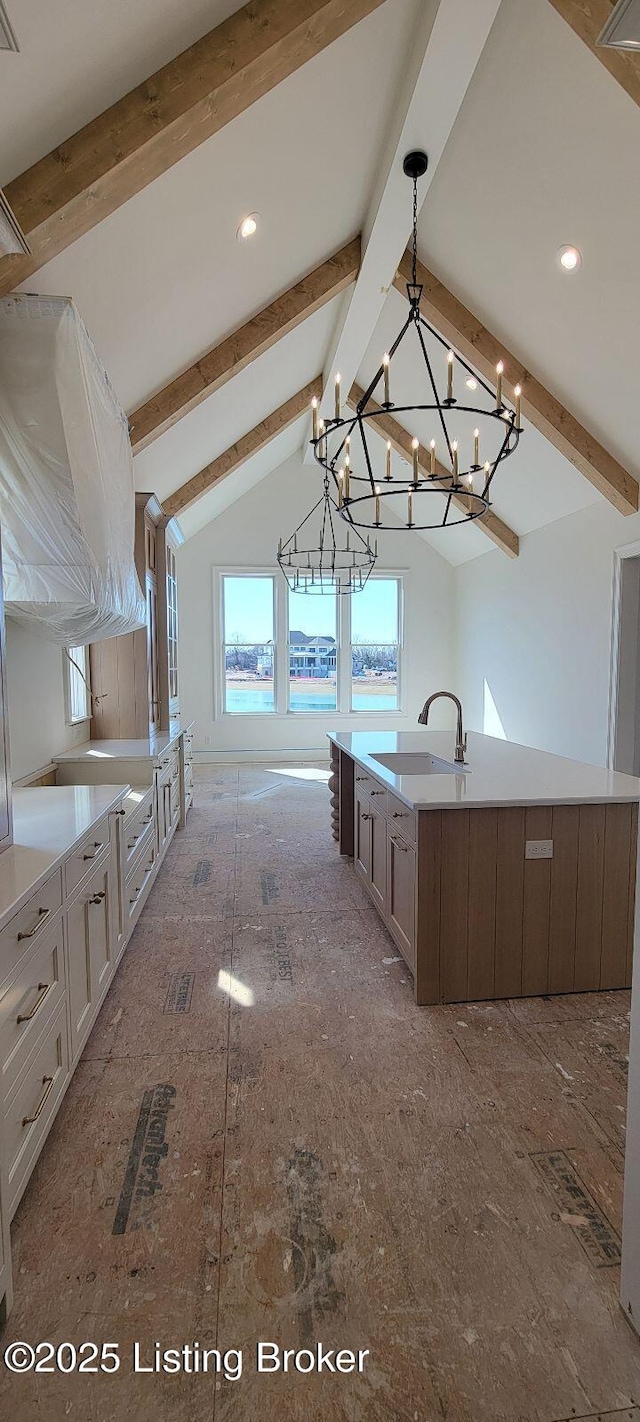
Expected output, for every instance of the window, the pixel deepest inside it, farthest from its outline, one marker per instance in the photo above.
(313, 653)
(284, 652)
(375, 639)
(77, 684)
(248, 644)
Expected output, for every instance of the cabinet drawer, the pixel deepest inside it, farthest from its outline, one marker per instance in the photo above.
(138, 882)
(364, 783)
(138, 832)
(81, 861)
(28, 1000)
(402, 818)
(27, 925)
(167, 766)
(32, 1105)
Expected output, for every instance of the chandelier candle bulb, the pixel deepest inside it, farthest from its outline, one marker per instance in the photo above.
(410, 508)
(450, 376)
(499, 370)
(346, 480)
(336, 398)
(385, 367)
(432, 465)
(340, 486)
(476, 444)
(314, 407)
(377, 507)
(388, 473)
(454, 455)
(518, 394)
(415, 445)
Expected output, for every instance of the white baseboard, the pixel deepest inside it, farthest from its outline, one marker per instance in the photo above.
(310, 754)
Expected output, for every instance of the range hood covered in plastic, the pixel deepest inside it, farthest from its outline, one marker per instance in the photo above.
(67, 501)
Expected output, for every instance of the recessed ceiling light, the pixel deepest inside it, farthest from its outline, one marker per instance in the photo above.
(248, 226)
(471, 384)
(569, 258)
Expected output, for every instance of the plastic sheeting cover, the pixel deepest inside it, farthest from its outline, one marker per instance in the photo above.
(67, 501)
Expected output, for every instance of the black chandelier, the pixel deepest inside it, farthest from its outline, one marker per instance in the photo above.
(312, 559)
(448, 477)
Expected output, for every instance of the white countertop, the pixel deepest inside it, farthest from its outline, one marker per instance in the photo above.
(47, 823)
(145, 748)
(496, 772)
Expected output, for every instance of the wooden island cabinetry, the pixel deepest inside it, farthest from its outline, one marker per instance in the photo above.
(485, 900)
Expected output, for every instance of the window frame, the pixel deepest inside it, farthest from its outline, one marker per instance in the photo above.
(71, 652)
(281, 708)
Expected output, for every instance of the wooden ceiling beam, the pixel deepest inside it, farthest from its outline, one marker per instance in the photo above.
(482, 349)
(587, 19)
(115, 156)
(243, 449)
(235, 353)
(489, 523)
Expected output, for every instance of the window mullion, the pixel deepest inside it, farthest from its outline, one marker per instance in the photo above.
(281, 660)
(343, 692)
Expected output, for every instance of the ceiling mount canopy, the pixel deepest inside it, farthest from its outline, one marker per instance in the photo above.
(314, 560)
(463, 428)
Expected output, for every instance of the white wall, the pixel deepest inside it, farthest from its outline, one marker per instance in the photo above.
(37, 727)
(246, 535)
(538, 630)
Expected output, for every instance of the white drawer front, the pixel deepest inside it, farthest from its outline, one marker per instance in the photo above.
(168, 766)
(81, 861)
(27, 925)
(32, 1105)
(28, 1000)
(139, 831)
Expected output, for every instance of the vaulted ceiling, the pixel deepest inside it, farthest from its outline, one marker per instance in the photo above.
(301, 110)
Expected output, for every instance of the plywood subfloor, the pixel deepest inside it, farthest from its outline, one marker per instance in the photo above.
(266, 1140)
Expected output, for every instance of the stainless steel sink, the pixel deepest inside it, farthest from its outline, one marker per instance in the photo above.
(419, 763)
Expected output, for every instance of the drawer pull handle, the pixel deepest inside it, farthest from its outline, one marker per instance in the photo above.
(97, 844)
(121, 812)
(43, 915)
(398, 814)
(97, 898)
(399, 845)
(365, 817)
(47, 1082)
(361, 777)
(43, 989)
(378, 792)
(133, 841)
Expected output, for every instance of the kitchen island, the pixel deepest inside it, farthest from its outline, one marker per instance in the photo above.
(509, 876)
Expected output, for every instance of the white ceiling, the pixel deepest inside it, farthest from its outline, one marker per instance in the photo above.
(77, 57)
(164, 277)
(240, 405)
(543, 153)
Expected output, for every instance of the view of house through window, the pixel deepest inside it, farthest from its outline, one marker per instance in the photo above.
(249, 644)
(314, 637)
(313, 653)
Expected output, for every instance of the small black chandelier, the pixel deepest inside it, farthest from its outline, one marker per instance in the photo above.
(448, 479)
(312, 559)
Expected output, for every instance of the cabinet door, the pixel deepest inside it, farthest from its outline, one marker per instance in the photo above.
(401, 882)
(363, 840)
(89, 951)
(378, 863)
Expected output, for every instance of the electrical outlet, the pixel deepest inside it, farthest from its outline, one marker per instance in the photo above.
(538, 849)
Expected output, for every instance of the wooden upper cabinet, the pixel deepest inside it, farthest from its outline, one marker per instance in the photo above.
(136, 676)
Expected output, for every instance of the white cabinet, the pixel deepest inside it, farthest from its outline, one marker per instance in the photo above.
(90, 950)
